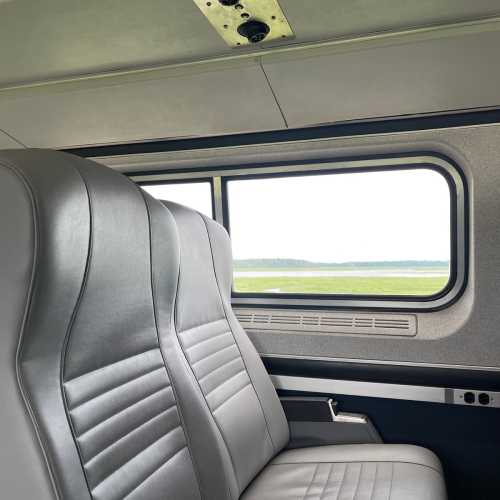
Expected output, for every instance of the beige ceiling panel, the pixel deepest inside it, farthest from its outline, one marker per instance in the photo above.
(61, 38)
(225, 98)
(352, 82)
(327, 19)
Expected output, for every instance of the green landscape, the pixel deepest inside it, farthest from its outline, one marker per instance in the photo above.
(409, 278)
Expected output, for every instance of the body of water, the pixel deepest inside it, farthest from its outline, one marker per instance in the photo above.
(369, 273)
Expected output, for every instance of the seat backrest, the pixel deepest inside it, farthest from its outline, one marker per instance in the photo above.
(234, 391)
(84, 384)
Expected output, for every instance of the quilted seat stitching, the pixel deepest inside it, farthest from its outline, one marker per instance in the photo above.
(390, 484)
(231, 397)
(374, 481)
(163, 412)
(342, 481)
(359, 461)
(120, 413)
(225, 382)
(220, 367)
(155, 471)
(201, 342)
(360, 473)
(183, 332)
(306, 494)
(144, 450)
(326, 482)
(109, 365)
(212, 354)
(138, 377)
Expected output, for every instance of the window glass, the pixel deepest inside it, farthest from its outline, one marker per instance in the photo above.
(196, 195)
(360, 233)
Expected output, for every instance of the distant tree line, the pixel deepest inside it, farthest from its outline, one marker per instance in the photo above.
(298, 263)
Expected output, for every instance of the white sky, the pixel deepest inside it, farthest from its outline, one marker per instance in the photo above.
(197, 195)
(369, 216)
(398, 215)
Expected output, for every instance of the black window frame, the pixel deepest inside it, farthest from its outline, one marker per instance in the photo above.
(459, 230)
(333, 296)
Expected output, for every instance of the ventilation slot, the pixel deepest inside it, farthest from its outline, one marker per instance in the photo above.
(316, 322)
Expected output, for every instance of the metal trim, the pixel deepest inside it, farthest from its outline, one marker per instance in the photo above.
(382, 362)
(424, 394)
(217, 200)
(355, 388)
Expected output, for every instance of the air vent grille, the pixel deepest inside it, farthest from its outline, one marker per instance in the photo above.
(323, 322)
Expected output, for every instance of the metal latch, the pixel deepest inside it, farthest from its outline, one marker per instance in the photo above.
(347, 418)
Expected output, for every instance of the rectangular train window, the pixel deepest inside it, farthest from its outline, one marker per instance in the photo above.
(371, 233)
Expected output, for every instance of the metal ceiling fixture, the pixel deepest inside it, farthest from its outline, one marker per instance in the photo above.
(246, 22)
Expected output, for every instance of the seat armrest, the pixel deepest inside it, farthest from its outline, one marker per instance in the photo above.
(316, 421)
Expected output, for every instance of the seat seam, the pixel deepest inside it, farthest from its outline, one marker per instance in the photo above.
(326, 482)
(195, 327)
(136, 428)
(155, 471)
(359, 461)
(230, 327)
(120, 386)
(120, 412)
(167, 370)
(26, 312)
(201, 342)
(139, 453)
(311, 482)
(224, 365)
(341, 486)
(196, 381)
(358, 481)
(390, 483)
(203, 398)
(225, 381)
(97, 370)
(213, 354)
(374, 481)
(68, 338)
(231, 397)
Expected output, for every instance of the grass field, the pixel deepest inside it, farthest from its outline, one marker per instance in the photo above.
(343, 285)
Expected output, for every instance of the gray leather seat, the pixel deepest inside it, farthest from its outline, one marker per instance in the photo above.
(357, 472)
(88, 408)
(238, 397)
(124, 373)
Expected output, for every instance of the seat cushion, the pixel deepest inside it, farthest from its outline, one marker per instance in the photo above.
(351, 472)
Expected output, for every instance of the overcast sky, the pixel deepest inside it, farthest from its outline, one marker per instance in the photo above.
(399, 215)
(195, 195)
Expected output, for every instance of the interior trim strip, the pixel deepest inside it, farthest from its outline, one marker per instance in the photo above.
(355, 388)
(382, 362)
(385, 391)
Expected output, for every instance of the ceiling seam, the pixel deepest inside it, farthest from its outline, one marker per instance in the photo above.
(13, 138)
(273, 93)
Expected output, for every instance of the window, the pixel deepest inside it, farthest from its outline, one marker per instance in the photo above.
(196, 195)
(362, 233)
